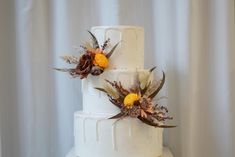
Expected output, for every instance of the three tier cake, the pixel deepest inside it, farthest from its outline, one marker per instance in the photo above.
(95, 133)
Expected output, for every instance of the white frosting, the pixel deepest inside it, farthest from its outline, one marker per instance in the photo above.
(130, 52)
(95, 135)
(95, 101)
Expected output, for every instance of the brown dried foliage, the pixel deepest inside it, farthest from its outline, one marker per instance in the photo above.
(143, 109)
(84, 63)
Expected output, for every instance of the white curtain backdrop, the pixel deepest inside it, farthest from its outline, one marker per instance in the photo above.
(192, 40)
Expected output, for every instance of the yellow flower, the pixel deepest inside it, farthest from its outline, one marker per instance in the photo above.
(101, 60)
(130, 99)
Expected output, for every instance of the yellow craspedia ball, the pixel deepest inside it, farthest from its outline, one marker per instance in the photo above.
(130, 99)
(101, 60)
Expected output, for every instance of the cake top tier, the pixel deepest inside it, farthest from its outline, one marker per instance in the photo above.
(130, 52)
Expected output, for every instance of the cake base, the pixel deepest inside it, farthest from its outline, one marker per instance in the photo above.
(166, 153)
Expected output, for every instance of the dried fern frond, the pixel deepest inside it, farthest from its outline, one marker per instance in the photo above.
(63, 69)
(119, 88)
(87, 45)
(71, 72)
(70, 59)
(160, 98)
(111, 92)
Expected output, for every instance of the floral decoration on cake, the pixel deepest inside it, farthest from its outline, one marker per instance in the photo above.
(93, 60)
(138, 101)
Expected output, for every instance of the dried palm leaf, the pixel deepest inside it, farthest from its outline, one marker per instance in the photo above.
(143, 79)
(143, 91)
(152, 86)
(146, 81)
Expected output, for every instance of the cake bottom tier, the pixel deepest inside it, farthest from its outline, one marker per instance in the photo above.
(98, 136)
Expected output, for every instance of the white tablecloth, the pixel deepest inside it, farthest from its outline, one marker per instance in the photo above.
(166, 153)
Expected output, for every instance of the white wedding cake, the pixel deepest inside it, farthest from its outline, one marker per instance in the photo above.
(96, 135)
(120, 117)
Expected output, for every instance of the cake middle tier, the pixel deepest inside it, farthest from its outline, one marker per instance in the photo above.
(95, 101)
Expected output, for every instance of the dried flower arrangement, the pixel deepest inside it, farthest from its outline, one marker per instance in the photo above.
(94, 59)
(137, 102)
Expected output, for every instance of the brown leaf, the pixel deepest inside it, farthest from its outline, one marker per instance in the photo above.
(105, 44)
(111, 51)
(101, 89)
(62, 70)
(116, 102)
(94, 40)
(117, 116)
(146, 121)
(152, 69)
(159, 87)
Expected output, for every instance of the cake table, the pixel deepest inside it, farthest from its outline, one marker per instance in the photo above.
(166, 153)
